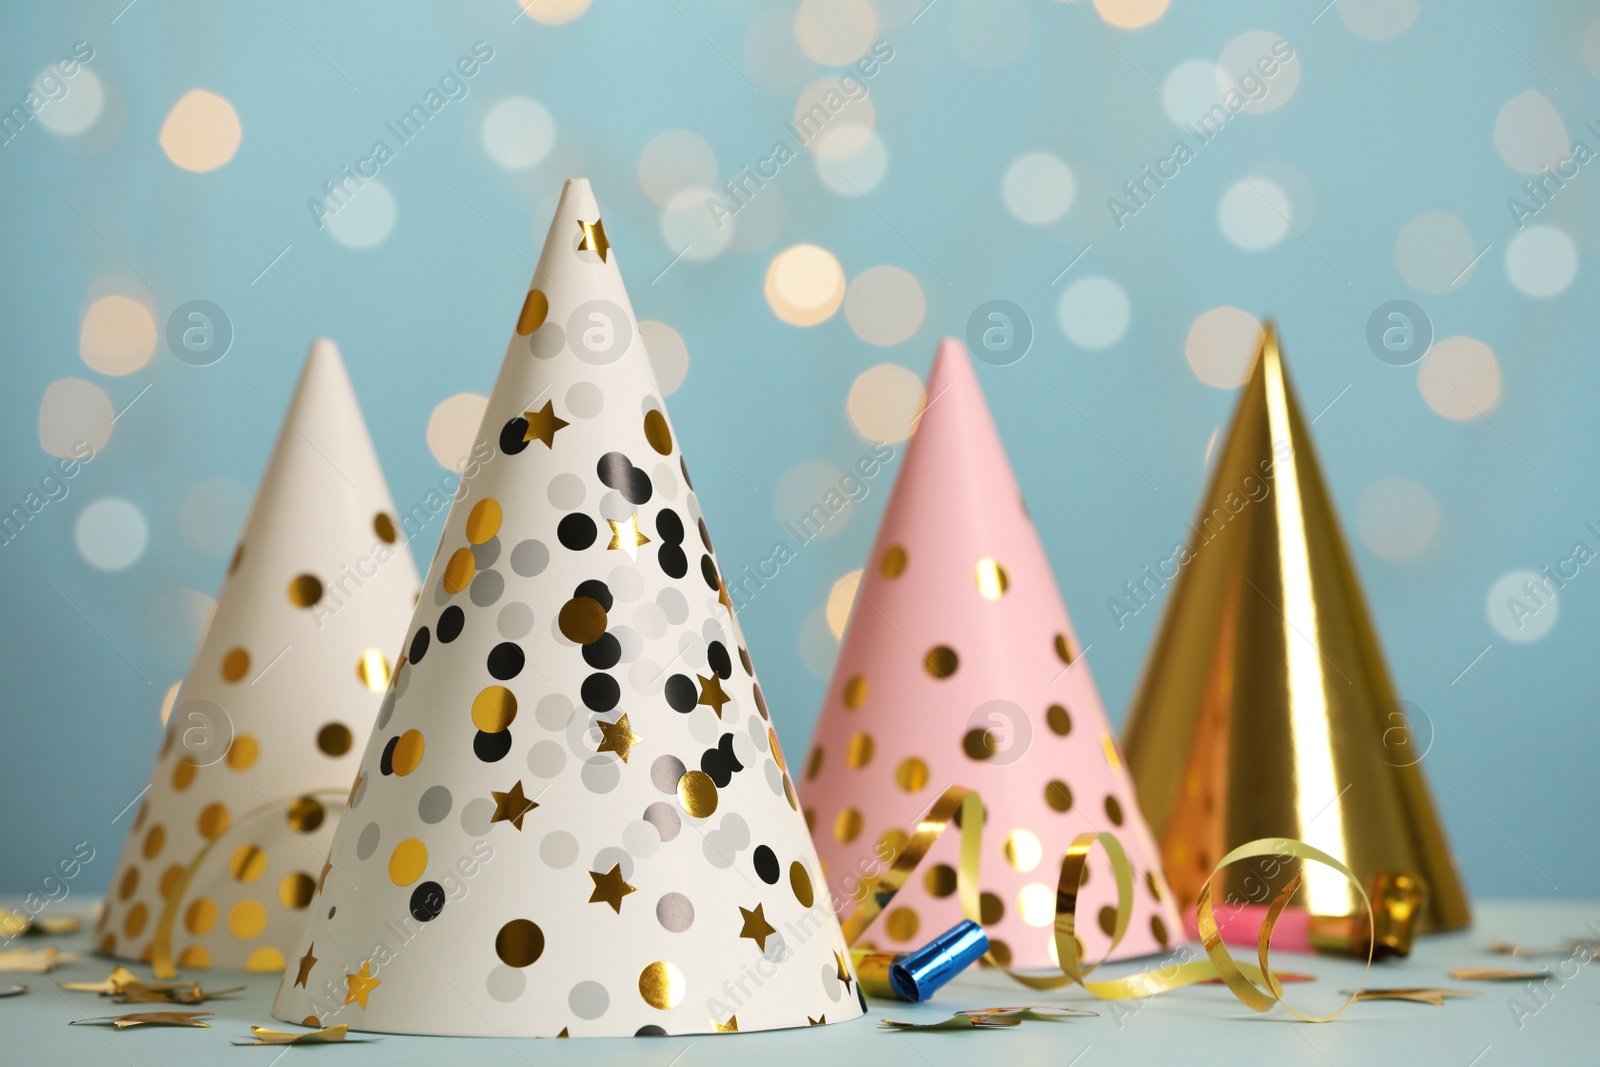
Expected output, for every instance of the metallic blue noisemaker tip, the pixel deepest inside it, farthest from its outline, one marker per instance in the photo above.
(919, 974)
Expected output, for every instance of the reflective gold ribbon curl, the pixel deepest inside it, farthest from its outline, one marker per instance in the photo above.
(1255, 986)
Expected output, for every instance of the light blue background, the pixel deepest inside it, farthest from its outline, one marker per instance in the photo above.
(1383, 131)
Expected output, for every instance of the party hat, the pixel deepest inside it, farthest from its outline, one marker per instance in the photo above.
(1266, 709)
(960, 667)
(259, 752)
(573, 817)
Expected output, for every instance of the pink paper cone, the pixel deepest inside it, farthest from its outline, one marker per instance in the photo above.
(960, 667)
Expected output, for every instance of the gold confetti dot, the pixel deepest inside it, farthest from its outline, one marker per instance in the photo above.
(334, 739)
(582, 620)
(305, 814)
(130, 883)
(1063, 649)
(235, 665)
(789, 793)
(855, 692)
(811, 821)
(911, 775)
(1058, 719)
(519, 943)
(494, 709)
(169, 880)
(247, 863)
(305, 590)
(1036, 902)
(383, 526)
(195, 956)
(108, 944)
(1109, 747)
(661, 985)
(893, 563)
(183, 774)
(200, 917)
(657, 432)
(1108, 920)
(408, 752)
(892, 843)
(133, 922)
(1023, 851)
(800, 882)
(265, 960)
(483, 521)
(243, 752)
(990, 909)
(847, 826)
(373, 670)
(814, 763)
(247, 919)
(213, 820)
(154, 838)
(535, 306)
(859, 752)
(940, 881)
(698, 794)
(238, 557)
(977, 744)
(992, 579)
(1114, 810)
(458, 572)
(1000, 951)
(1058, 795)
(941, 661)
(407, 862)
(1152, 885)
(903, 924)
(296, 889)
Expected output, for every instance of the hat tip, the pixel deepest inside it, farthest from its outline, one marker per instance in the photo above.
(323, 349)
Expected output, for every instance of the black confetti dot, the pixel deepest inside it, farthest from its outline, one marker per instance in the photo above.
(506, 660)
(427, 901)
(491, 748)
(744, 661)
(861, 998)
(603, 652)
(720, 763)
(386, 761)
(451, 621)
(717, 656)
(674, 564)
(705, 535)
(419, 645)
(577, 531)
(670, 527)
(617, 472)
(600, 692)
(766, 865)
(595, 590)
(511, 437)
(708, 571)
(681, 693)
(650, 1030)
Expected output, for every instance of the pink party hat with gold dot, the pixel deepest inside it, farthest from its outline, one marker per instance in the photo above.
(262, 743)
(960, 667)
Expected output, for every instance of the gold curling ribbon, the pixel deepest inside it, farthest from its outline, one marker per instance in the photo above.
(161, 947)
(1245, 980)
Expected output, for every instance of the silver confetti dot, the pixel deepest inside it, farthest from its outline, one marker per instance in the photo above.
(675, 912)
(589, 1000)
(530, 558)
(559, 849)
(434, 804)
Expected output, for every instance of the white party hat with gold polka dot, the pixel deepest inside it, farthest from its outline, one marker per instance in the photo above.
(573, 818)
(229, 842)
(965, 670)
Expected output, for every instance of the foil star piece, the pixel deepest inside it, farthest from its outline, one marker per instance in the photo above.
(729, 1027)
(149, 1018)
(185, 993)
(511, 805)
(1496, 974)
(1420, 996)
(14, 989)
(594, 238)
(35, 960)
(328, 1035)
(543, 424)
(115, 982)
(756, 927)
(711, 693)
(360, 985)
(617, 737)
(627, 536)
(307, 962)
(609, 888)
(842, 971)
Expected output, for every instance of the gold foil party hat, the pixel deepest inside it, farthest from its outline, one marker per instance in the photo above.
(1266, 709)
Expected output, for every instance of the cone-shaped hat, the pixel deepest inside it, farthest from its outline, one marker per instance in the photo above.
(573, 817)
(264, 739)
(960, 667)
(1266, 709)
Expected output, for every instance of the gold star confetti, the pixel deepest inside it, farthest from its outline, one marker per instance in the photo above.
(722, 595)
(1496, 974)
(322, 879)
(609, 888)
(543, 424)
(563, 1033)
(182, 993)
(350, 801)
(115, 982)
(35, 960)
(326, 1036)
(149, 1018)
(361, 984)
(729, 1027)
(711, 693)
(756, 927)
(307, 962)
(594, 238)
(817, 1022)
(843, 971)
(627, 535)
(511, 805)
(617, 737)
(1420, 996)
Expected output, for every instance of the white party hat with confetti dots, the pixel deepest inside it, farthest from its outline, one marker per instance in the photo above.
(573, 818)
(226, 849)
